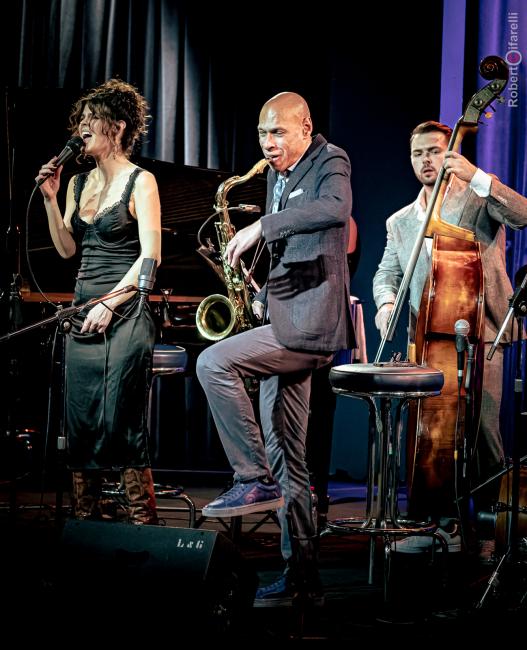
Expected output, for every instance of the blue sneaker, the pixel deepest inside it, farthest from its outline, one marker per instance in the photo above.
(244, 498)
(422, 543)
(281, 594)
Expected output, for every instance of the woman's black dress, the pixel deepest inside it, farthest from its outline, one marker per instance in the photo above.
(108, 375)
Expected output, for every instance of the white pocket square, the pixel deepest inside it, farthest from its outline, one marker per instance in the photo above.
(296, 193)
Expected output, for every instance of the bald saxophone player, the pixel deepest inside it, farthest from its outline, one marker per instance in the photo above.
(305, 304)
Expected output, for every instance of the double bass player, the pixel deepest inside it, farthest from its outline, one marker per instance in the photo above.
(479, 202)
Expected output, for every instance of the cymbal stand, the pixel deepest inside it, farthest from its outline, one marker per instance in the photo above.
(518, 307)
(62, 320)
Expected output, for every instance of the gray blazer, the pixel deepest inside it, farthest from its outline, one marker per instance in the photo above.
(308, 284)
(486, 217)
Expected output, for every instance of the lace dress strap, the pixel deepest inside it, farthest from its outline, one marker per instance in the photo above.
(78, 185)
(127, 192)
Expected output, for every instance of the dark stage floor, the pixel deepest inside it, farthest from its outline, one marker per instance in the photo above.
(48, 579)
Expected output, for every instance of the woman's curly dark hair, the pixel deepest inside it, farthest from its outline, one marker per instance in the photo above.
(112, 101)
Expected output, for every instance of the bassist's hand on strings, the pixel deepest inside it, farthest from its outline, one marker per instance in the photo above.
(458, 165)
(382, 318)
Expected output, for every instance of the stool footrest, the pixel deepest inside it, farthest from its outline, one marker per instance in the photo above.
(117, 493)
(352, 526)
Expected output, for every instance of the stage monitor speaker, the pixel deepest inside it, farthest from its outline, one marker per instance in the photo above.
(196, 573)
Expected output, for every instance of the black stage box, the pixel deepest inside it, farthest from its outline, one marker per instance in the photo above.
(196, 574)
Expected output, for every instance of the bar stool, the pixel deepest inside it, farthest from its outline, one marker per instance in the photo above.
(386, 382)
(167, 360)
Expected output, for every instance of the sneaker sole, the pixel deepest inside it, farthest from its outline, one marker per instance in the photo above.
(453, 548)
(287, 601)
(236, 511)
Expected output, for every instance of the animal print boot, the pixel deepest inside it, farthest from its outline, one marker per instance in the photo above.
(139, 487)
(86, 493)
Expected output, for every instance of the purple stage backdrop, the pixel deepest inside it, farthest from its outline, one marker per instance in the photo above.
(502, 146)
(498, 28)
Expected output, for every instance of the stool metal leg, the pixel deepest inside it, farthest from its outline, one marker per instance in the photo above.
(382, 516)
(372, 447)
(384, 461)
(190, 509)
(396, 464)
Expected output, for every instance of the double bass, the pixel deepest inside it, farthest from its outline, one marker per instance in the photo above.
(441, 430)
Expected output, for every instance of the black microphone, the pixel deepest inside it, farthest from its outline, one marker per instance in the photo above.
(73, 148)
(147, 277)
(470, 363)
(461, 329)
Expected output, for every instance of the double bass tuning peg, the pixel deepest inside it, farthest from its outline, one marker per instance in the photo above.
(488, 114)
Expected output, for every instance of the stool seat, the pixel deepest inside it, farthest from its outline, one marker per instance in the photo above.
(394, 379)
(169, 359)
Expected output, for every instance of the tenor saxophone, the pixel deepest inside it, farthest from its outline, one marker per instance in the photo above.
(218, 315)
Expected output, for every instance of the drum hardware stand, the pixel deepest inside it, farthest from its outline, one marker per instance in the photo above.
(10, 294)
(518, 307)
(62, 319)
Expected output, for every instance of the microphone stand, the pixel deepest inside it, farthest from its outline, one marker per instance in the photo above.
(468, 441)
(62, 318)
(63, 314)
(518, 307)
(10, 306)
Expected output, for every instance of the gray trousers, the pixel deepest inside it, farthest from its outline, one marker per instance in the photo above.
(489, 455)
(285, 383)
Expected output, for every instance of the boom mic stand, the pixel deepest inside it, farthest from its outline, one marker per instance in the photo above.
(62, 318)
(518, 308)
(64, 314)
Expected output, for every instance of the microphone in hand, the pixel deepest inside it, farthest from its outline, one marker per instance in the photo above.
(147, 277)
(73, 148)
(461, 329)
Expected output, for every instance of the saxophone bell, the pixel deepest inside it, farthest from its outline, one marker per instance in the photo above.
(215, 317)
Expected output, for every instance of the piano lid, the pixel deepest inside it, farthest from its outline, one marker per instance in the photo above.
(187, 193)
(187, 199)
